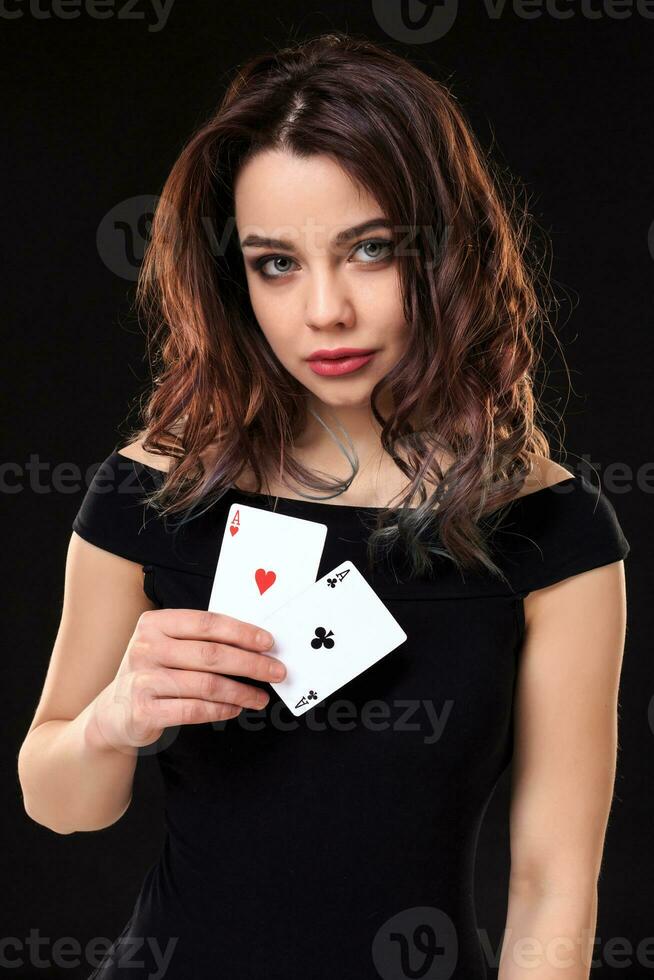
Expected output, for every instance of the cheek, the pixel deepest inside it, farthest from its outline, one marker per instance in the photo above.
(272, 316)
(277, 328)
(381, 304)
(281, 342)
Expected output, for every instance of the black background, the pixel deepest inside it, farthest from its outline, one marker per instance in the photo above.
(96, 111)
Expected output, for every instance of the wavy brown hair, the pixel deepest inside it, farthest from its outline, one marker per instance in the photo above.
(221, 400)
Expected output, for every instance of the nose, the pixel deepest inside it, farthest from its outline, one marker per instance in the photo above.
(328, 304)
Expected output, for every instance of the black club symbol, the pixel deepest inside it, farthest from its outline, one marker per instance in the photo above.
(322, 639)
(311, 696)
(331, 582)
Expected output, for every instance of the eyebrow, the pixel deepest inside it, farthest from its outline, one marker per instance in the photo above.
(257, 241)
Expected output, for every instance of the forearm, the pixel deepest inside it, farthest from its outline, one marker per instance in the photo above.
(71, 779)
(549, 936)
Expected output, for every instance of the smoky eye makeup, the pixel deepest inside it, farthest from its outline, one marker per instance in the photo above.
(258, 265)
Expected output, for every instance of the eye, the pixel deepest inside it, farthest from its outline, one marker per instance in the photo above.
(260, 263)
(376, 243)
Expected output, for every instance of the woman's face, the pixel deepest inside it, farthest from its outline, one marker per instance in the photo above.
(311, 290)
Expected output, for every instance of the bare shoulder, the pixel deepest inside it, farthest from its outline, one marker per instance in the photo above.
(135, 450)
(544, 474)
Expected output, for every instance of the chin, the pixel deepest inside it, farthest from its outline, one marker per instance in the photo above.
(343, 401)
(354, 389)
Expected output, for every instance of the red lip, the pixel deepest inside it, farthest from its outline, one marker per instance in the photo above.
(335, 367)
(329, 355)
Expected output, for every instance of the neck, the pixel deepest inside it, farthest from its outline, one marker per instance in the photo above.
(354, 427)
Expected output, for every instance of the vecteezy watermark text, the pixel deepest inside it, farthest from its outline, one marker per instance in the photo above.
(139, 10)
(426, 21)
(44, 477)
(67, 952)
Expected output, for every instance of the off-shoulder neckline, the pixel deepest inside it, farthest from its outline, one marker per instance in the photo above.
(355, 508)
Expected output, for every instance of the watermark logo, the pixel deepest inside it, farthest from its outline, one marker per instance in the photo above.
(417, 942)
(415, 21)
(123, 234)
(134, 704)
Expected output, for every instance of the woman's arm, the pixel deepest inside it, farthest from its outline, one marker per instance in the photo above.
(563, 772)
(70, 779)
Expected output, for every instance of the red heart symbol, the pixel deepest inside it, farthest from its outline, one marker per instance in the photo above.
(233, 531)
(264, 579)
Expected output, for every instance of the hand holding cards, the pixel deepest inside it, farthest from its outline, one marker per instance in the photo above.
(326, 632)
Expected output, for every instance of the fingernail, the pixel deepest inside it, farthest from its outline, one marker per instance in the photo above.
(264, 639)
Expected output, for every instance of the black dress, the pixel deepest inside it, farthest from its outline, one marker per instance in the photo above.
(340, 844)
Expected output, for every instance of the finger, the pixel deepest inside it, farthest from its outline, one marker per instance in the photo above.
(220, 658)
(189, 624)
(168, 712)
(203, 685)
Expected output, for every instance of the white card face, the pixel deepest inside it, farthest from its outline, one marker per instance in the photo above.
(328, 634)
(265, 559)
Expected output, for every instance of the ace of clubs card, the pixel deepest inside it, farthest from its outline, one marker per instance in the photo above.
(328, 634)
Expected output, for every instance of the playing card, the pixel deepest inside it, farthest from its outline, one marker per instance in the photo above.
(265, 559)
(328, 634)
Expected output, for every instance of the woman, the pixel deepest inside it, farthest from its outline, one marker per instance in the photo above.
(365, 218)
